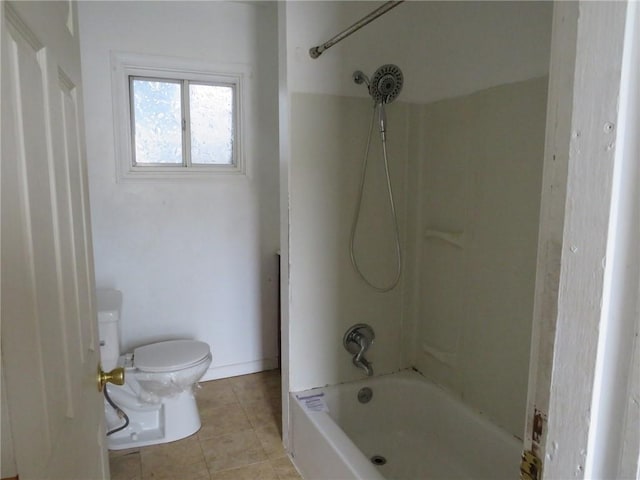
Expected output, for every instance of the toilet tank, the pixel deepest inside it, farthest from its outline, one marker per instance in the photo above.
(109, 302)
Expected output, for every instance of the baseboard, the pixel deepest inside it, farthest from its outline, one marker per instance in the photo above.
(10, 478)
(236, 369)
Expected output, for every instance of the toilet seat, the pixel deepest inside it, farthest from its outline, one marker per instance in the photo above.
(170, 356)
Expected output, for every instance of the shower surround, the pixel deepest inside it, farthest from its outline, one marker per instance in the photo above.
(466, 173)
(465, 141)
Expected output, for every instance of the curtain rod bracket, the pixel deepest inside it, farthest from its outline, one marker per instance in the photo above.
(315, 52)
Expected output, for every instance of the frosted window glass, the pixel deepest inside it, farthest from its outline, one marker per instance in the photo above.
(211, 109)
(157, 122)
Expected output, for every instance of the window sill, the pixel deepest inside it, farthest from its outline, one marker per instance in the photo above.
(177, 173)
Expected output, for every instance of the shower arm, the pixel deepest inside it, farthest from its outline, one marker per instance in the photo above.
(315, 52)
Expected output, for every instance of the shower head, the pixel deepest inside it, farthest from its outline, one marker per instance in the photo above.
(386, 84)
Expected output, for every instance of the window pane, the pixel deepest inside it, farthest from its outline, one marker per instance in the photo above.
(211, 110)
(157, 122)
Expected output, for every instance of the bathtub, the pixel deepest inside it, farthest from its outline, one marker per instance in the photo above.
(418, 429)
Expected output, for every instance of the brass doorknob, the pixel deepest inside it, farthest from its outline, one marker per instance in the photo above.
(115, 376)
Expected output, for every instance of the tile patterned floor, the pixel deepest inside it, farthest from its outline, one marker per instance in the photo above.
(239, 438)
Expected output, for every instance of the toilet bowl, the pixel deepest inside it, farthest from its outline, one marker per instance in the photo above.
(157, 397)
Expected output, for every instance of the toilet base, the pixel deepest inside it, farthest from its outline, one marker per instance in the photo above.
(174, 418)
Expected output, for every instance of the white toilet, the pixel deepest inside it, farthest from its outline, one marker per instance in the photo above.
(157, 396)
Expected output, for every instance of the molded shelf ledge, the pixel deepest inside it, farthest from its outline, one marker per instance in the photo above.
(447, 358)
(453, 238)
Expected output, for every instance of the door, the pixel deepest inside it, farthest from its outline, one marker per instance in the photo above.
(49, 332)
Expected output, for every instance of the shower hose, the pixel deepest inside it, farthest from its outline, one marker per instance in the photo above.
(356, 217)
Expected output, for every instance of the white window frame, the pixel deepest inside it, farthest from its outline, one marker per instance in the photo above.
(127, 65)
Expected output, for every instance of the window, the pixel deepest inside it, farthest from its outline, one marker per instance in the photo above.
(181, 123)
(176, 119)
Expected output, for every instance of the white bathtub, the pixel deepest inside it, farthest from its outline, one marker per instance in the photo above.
(422, 431)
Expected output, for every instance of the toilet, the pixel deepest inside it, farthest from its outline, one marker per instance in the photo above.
(157, 396)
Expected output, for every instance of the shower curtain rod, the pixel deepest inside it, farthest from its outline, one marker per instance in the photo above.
(315, 52)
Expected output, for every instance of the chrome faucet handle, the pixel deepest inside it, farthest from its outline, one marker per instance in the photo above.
(358, 338)
(357, 341)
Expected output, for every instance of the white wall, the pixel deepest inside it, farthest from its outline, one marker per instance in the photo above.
(193, 259)
(446, 50)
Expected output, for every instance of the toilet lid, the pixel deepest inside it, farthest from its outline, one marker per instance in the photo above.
(170, 355)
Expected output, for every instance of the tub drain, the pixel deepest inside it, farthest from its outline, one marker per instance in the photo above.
(378, 460)
(365, 395)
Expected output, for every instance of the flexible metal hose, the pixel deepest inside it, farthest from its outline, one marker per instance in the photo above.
(356, 217)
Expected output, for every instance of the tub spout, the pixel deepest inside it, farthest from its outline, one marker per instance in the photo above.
(357, 341)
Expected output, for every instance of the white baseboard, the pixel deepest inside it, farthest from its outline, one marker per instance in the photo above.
(236, 369)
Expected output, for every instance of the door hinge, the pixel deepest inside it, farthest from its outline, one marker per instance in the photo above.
(531, 466)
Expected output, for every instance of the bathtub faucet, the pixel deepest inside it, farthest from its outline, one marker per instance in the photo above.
(357, 341)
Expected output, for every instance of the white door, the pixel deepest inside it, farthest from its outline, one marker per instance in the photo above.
(49, 337)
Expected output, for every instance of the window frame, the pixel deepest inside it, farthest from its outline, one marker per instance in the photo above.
(126, 67)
